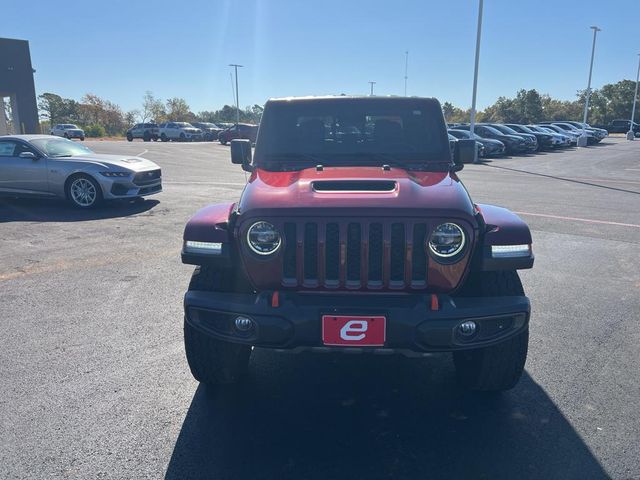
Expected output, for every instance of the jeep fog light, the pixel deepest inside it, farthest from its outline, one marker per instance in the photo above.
(467, 328)
(243, 324)
(207, 248)
(502, 251)
(447, 240)
(263, 238)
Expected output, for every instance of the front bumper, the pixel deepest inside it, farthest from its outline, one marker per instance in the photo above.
(411, 324)
(130, 187)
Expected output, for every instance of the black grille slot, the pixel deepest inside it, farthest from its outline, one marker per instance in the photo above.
(354, 246)
(354, 186)
(144, 178)
(397, 252)
(311, 251)
(419, 260)
(375, 253)
(289, 256)
(332, 252)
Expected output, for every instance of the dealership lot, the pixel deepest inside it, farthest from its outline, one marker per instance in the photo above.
(95, 384)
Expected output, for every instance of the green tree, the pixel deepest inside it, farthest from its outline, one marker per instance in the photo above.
(178, 110)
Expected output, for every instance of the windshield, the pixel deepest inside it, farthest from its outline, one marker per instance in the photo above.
(60, 147)
(348, 131)
(460, 133)
(69, 127)
(504, 129)
(184, 125)
(524, 129)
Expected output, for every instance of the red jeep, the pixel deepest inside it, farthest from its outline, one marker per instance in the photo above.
(354, 233)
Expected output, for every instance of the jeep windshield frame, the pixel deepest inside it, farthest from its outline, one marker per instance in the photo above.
(405, 132)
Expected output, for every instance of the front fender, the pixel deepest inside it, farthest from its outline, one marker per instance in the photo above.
(503, 228)
(211, 225)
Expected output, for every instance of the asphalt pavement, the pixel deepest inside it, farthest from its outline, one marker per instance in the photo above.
(95, 383)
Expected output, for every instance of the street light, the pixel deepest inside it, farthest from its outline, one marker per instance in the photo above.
(406, 70)
(372, 84)
(475, 81)
(631, 134)
(582, 139)
(235, 65)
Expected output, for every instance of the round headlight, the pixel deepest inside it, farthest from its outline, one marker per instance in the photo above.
(263, 238)
(447, 240)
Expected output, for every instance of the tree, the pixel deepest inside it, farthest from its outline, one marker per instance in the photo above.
(178, 110)
(152, 109)
(131, 116)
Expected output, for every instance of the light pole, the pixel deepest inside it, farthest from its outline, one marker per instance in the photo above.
(631, 134)
(406, 69)
(372, 84)
(475, 81)
(235, 65)
(582, 139)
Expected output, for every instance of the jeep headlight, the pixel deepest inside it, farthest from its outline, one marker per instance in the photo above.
(447, 240)
(263, 238)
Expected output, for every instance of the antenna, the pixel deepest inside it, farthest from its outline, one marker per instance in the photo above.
(406, 69)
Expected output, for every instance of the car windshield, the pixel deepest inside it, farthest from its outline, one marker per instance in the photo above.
(352, 131)
(69, 127)
(492, 130)
(59, 147)
(184, 125)
(460, 133)
(504, 129)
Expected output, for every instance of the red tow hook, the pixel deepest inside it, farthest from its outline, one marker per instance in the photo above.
(275, 299)
(435, 304)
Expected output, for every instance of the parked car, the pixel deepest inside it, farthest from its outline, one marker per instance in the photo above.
(491, 148)
(179, 131)
(363, 247)
(68, 130)
(622, 126)
(545, 140)
(561, 140)
(572, 134)
(530, 140)
(49, 166)
(591, 137)
(598, 133)
(514, 144)
(210, 131)
(239, 131)
(145, 131)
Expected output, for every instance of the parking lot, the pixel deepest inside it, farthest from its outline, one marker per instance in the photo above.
(95, 383)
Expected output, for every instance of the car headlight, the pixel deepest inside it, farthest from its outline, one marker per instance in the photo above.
(115, 174)
(447, 240)
(263, 238)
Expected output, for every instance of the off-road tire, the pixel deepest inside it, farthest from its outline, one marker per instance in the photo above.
(129, 137)
(500, 366)
(213, 361)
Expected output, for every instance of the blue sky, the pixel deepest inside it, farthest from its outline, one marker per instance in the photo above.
(119, 49)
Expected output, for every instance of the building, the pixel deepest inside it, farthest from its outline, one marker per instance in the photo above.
(17, 89)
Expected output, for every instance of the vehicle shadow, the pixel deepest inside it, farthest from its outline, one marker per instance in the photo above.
(53, 210)
(351, 417)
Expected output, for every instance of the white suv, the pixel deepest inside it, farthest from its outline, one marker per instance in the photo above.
(68, 130)
(179, 131)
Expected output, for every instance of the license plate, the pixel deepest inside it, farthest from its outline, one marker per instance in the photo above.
(354, 330)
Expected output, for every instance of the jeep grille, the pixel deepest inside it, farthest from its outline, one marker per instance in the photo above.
(355, 254)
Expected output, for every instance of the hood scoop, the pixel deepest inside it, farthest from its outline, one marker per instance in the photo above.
(354, 185)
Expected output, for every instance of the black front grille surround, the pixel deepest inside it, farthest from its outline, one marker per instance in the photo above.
(367, 254)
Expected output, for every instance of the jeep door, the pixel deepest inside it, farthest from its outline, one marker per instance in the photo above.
(22, 175)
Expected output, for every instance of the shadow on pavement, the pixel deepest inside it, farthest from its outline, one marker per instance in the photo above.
(353, 417)
(53, 210)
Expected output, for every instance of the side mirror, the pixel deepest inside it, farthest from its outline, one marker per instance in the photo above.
(29, 155)
(464, 152)
(241, 153)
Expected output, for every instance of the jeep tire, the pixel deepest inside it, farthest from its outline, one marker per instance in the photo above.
(498, 367)
(213, 361)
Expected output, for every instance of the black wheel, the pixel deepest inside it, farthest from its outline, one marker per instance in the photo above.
(129, 137)
(66, 135)
(146, 137)
(164, 138)
(214, 361)
(82, 139)
(498, 367)
(83, 191)
(223, 141)
(182, 137)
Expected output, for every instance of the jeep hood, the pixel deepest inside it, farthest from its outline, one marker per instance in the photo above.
(355, 187)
